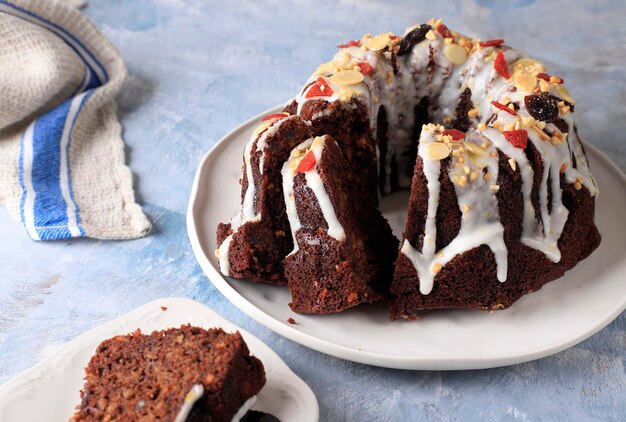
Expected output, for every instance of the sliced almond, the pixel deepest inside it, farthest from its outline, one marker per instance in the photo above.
(261, 128)
(455, 53)
(347, 77)
(525, 82)
(437, 151)
(564, 93)
(528, 65)
(379, 42)
(475, 149)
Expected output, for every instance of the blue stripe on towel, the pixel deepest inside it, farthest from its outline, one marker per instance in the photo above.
(50, 207)
(47, 207)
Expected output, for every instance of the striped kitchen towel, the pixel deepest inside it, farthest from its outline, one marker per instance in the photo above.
(62, 171)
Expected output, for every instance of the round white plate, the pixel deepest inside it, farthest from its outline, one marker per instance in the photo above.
(561, 314)
(50, 390)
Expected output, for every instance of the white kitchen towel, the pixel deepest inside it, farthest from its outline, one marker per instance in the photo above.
(62, 171)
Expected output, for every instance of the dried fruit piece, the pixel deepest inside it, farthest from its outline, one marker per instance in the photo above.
(491, 43)
(444, 31)
(275, 116)
(437, 151)
(366, 68)
(455, 53)
(355, 43)
(347, 77)
(542, 107)
(319, 89)
(307, 163)
(454, 133)
(501, 66)
(503, 108)
(546, 77)
(414, 37)
(517, 138)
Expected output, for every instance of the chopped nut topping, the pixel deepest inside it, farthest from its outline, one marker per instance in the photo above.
(563, 167)
(544, 86)
(494, 187)
(482, 126)
(512, 163)
(430, 35)
(436, 268)
(472, 113)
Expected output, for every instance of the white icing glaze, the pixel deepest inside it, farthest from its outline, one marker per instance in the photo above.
(480, 221)
(247, 213)
(315, 183)
(196, 392)
(244, 409)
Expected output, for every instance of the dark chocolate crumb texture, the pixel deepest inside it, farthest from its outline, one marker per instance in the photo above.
(179, 374)
(502, 199)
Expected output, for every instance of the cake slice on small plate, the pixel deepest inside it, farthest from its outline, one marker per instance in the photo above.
(178, 374)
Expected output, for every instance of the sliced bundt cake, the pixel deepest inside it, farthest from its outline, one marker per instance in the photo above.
(505, 188)
(254, 243)
(343, 246)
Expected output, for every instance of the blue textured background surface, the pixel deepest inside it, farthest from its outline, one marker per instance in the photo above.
(198, 69)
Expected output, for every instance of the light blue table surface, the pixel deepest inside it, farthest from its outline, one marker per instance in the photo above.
(197, 70)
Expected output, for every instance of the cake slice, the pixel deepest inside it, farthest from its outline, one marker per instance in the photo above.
(344, 248)
(254, 243)
(178, 374)
(469, 241)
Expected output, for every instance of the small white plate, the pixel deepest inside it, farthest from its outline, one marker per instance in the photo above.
(561, 314)
(50, 390)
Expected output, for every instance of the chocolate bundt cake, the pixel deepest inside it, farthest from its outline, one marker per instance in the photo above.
(344, 248)
(179, 374)
(502, 199)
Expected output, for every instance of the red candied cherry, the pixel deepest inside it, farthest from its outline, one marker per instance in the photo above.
(319, 89)
(444, 31)
(492, 43)
(354, 43)
(503, 108)
(366, 68)
(517, 138)
(454, 133)
(307, 163)
(275, 116)
(501, 66)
